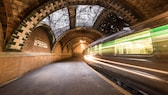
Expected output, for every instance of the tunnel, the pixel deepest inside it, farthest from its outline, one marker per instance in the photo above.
(83, 47)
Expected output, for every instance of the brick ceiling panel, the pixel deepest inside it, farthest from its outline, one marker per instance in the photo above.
(149, 8)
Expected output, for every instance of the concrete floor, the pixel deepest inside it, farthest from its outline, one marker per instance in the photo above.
(68, 77)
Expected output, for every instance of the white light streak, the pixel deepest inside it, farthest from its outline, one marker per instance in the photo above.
(128, 65)
(140, 73)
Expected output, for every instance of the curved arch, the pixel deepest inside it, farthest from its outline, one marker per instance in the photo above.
(65, 50)
(49, 32)
(58, 48)
(92, 31)
(76, 40)
(20, 35)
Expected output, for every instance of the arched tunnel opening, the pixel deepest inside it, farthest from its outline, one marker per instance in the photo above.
(77, 40)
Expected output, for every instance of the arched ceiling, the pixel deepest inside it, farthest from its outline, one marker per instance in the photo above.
(20, 17)
(75, 35)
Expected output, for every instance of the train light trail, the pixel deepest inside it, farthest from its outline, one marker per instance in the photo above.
(136, 72)
(133, 66)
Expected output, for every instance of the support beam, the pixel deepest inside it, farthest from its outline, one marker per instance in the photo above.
(72, 16)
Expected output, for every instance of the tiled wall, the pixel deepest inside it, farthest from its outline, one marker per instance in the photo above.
(37, 34)
(15, 65)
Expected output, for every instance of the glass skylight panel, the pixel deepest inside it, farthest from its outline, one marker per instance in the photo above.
(45, 20)
(58, 21)
(86, 15)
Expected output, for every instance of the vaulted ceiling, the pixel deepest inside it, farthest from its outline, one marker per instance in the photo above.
(20, 17)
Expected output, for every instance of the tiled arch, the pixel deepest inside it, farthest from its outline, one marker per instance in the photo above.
(20, 35)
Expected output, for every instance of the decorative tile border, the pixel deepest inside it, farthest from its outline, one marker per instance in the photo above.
(20, 35)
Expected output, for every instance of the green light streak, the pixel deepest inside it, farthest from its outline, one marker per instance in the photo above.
(159, 32)
(161, 28)
(134, 37)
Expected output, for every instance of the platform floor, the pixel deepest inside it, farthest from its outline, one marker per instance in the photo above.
(68, 77)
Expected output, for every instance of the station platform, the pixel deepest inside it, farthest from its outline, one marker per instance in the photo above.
(67, 77)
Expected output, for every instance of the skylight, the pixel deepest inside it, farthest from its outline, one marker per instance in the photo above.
(58, 21)
(86, 15)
